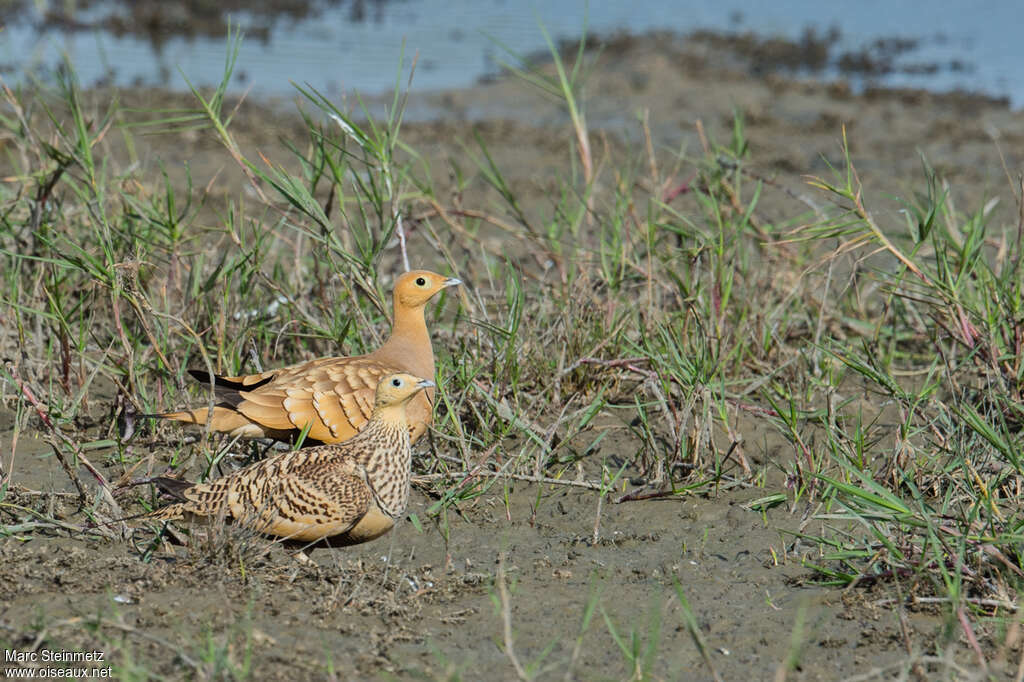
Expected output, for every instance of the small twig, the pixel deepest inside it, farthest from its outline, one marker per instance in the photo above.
(36, 525)
(30, 526)
(22, 490)
(628, 363)
(596, 535)
(506, 617)
(750, 407)
(882, 672)
(908, 643)
(1020, 668)
(46, 522)
(1000, 603)
(400, 231)
(971, 638)
(426, 478)
(641, 494)
(254, 356)
(802, 198)
(531, 236)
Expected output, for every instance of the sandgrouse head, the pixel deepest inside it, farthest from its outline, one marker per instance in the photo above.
(396, 389)
(415, 288)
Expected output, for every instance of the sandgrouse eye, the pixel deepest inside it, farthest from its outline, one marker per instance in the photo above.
(397, 383)
(420, 282)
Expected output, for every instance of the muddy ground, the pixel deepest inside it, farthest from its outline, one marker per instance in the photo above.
(426, 603)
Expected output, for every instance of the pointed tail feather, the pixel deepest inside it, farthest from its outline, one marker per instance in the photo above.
(197, 416)
(175, 487)
(225, 420)
(203, 377)
(225, 390)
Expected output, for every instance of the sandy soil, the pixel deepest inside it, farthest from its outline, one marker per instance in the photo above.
(427, 603)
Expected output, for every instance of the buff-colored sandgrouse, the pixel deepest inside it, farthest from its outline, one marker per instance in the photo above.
(333, 395)
(338, 494)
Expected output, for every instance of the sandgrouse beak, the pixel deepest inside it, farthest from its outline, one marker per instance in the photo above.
(452, 281)
(426, 383)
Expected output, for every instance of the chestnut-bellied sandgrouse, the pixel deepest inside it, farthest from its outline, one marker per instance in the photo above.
(333, 395)
(337, 494)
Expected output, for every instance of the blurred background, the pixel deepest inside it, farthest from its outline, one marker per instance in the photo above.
(338, 46)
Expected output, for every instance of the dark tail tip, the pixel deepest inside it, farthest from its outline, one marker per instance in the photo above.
(204, 377)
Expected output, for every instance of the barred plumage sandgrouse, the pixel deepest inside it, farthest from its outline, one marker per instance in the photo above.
(339, 494)
(333, 395)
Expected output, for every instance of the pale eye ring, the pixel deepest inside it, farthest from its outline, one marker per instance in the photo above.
(421, 282)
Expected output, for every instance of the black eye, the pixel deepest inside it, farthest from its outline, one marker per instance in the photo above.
(420, 282)
(397, 383)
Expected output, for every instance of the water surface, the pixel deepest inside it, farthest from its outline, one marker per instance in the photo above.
(344, 46)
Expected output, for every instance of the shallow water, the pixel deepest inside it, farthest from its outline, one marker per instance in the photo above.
(338, 47)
